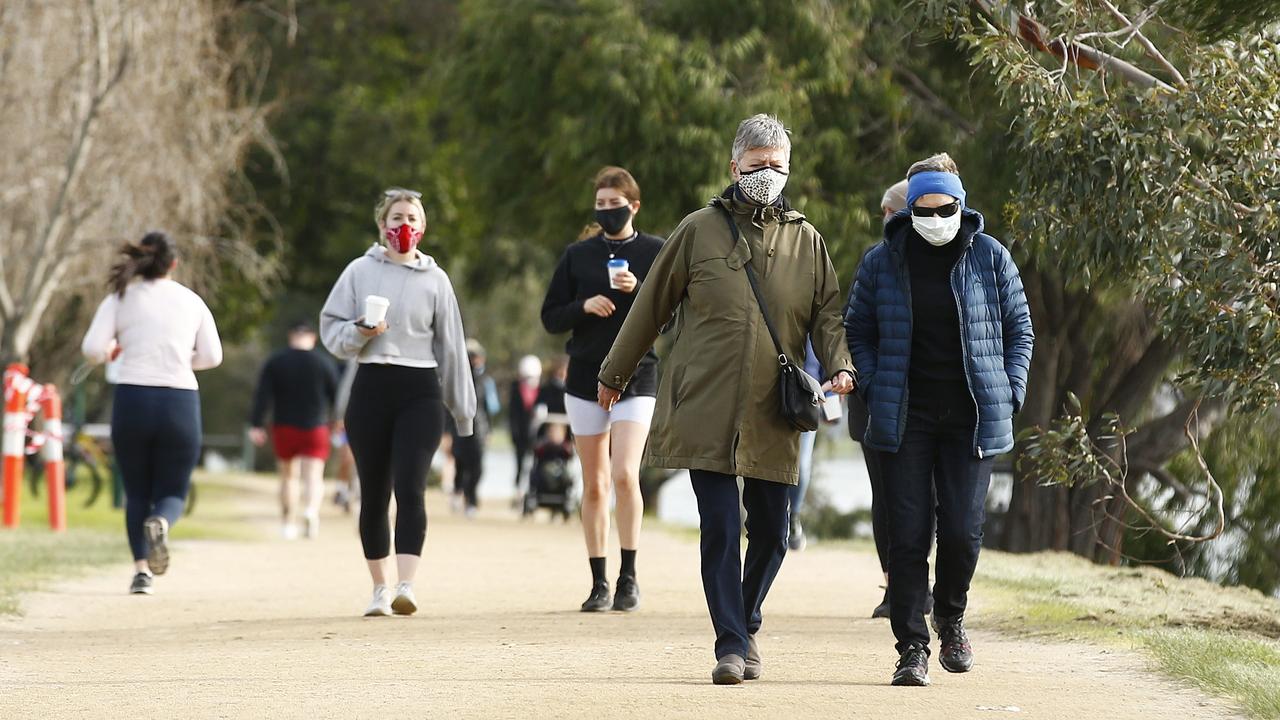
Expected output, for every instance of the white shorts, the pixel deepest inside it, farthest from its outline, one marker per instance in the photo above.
(588, 418)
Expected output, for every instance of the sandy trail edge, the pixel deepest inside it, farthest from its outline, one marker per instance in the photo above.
(271, 629)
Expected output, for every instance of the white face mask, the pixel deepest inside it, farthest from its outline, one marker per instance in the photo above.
(937, 231)
(762, 186)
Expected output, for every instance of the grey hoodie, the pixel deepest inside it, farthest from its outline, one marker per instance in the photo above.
(424, 325)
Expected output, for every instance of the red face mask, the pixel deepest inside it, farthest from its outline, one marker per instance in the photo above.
(403, 239)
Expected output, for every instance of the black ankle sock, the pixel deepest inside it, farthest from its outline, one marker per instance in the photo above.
(597, 570)
(628, 563)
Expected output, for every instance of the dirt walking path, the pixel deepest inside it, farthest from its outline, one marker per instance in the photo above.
(271, 629)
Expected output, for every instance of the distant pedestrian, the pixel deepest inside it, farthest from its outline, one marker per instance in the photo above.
(468, 450)
(298, 387)
(161, 332)
(522, 404)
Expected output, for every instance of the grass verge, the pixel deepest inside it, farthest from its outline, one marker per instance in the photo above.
(1224, 640)
(32, 555)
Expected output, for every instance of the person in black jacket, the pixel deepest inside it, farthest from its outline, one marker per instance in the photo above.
(522, 403)
(468, 451)
(299, 387)
(590, 295)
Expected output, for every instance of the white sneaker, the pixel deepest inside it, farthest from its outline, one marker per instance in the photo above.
(380, 606)
(311, 526)
(289, 531)
(405, 602)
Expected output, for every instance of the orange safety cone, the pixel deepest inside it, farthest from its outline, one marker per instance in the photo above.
(16, 385)
(54, 470)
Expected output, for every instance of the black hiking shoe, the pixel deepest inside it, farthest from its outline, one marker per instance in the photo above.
(141, 585)
(626, 595)
(599, 599)
(956, 655)
(913, 668)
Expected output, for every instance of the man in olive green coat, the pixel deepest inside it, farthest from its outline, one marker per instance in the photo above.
(718, 408)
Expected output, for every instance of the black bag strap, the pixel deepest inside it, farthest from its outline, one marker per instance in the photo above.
(755, 288)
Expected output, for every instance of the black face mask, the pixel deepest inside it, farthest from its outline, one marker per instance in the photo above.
(614, 219)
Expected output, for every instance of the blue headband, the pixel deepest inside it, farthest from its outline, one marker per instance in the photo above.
(925, 183)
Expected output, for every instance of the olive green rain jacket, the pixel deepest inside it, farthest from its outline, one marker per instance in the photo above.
(718, 400)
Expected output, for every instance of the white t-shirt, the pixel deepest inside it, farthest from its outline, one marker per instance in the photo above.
(164, 330)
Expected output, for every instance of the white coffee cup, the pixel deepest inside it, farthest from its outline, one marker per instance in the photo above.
(375, 309)
(616, 267)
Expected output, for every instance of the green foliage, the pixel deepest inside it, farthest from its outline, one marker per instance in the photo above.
(1166, 194)
(660, 87)
(1220, 19)
(1067, 453)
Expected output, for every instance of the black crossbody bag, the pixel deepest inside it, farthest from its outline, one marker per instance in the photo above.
(799, 394)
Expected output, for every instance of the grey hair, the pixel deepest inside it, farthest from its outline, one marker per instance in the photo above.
(760, 131)
(941, 162)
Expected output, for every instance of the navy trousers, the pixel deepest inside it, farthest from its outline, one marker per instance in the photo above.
(736, 592)
(155, 434)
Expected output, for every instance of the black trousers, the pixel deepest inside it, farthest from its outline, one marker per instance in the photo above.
(394, 423)
(936, 456)
(468, 463)
(736, 593)
(879, 508)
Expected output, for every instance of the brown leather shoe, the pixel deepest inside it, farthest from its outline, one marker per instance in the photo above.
(729, 670)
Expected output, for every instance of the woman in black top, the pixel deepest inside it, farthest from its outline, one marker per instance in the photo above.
(590, 295)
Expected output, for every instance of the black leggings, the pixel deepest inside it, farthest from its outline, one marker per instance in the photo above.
(394, 423)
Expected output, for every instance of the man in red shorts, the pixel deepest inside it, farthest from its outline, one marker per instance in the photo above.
(298, 387)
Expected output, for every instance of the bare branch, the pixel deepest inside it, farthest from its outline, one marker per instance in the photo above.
(1078, 54)
(1147, 45)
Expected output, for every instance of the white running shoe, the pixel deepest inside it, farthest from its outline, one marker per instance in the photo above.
(311, 525)
(289, 531)
(380, 606)
(405, 602)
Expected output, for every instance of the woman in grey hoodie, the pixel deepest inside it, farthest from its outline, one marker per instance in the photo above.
(413, 365)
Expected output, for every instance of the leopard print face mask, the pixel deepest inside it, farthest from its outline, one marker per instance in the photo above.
(762, 186)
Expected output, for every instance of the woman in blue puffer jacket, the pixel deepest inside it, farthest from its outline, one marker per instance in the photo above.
(940, 332)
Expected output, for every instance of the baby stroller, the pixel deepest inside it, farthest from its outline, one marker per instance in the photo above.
(553, 478)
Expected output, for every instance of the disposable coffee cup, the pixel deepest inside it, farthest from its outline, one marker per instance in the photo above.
(375, 310)
(616, 265)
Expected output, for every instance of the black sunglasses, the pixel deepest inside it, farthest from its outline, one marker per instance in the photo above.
(392, 192)
(940, 211)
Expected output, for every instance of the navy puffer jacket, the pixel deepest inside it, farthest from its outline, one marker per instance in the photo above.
(995, 332)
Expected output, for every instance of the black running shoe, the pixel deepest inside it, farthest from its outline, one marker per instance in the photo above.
(957, 654)
(599, 599)
(141, 585)
(626, 596)
(913, 667)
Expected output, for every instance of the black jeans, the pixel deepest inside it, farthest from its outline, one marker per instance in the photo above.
(155, 432)
(734, 597)
(936, 456)
(394, 423)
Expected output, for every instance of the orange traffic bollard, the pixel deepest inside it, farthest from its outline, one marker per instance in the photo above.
(16, 385)
(54, 470)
